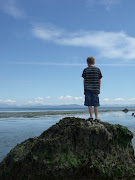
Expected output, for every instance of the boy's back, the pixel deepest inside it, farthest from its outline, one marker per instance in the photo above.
(92, 74)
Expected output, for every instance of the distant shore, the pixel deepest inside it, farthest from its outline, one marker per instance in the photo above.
(32, 114)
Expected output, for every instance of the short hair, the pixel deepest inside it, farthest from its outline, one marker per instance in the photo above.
(91, 60)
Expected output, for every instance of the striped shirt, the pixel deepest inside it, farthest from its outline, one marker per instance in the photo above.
(92, 75)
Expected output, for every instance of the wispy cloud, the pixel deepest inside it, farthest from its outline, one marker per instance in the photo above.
(39, 98)
(47, 97)
(119, 99)
(105, 3)
(47, 63)
(68, 64)
(34, 102)
(8, 101)
(106, 99)
(116, 99)
(10, 7)
(111, 45)
(131, 99)
(68, 97)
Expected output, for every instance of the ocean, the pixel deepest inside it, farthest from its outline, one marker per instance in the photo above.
(19, 125)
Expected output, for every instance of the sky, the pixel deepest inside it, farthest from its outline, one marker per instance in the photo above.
(45, 44)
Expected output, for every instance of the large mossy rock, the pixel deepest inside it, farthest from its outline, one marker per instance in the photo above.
(73, 149)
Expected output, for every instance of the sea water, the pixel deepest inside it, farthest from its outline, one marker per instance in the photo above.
(14, 130)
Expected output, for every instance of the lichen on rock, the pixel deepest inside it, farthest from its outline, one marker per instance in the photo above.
(73, 149)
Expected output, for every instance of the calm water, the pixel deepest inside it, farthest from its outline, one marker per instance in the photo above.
(15, 130)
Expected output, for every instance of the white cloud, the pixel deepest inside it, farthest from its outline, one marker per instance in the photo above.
(29, 102)
(10, 7)
(78, 98)
(111, 45)
(106, 99)
(119, 99)
(48, 97)
(65, 97)
(9, 101)
(35, 102)
(47, 33)
(70, 98)
(39, 98)
(61, 97)
(131, 99)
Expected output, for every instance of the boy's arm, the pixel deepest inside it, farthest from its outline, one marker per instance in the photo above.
(99, 85)
(84, 85)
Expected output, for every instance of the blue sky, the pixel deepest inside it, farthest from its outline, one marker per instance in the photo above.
(45, 43)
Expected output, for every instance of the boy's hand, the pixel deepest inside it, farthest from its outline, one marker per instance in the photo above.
(99, 92)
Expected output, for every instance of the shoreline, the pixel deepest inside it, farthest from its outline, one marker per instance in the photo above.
(37, 114)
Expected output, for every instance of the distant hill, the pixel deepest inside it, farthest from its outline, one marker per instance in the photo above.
(5, 107)
(69, 106)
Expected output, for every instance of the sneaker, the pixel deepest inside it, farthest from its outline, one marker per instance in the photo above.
(90, 119)
(97, 120)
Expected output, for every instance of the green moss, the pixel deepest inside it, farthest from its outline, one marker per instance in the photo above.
(120, 136)
(19, 151)
(65, 150)
(59, 161)
(69, 160)
(106, 174)
(55, 151)
(117, 172)
(124, 130)
(49, 158)
(5, 174)
(40, 155)
(31, 155)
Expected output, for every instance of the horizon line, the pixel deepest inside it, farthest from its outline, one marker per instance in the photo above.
(34, 105)
(68, 64)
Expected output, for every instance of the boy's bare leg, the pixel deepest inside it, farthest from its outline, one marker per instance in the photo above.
(90, 111)
(96, 112)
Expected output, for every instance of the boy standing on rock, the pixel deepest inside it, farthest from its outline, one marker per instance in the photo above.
(92, 83)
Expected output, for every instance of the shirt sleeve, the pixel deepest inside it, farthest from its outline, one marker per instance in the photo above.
(84, 74)
(99, 74)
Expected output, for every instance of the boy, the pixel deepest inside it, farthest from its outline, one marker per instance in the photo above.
(92, 83)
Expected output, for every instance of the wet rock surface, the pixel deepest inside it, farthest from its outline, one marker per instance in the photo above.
(73, 149)
(125, 110)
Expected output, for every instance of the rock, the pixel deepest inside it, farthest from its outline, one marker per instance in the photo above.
(125, 110)
(73, 149)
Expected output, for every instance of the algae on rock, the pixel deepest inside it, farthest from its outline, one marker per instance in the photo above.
(73, 149)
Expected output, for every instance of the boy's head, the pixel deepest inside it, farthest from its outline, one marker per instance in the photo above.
(90, 61)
